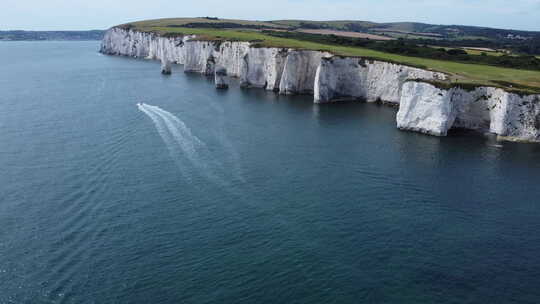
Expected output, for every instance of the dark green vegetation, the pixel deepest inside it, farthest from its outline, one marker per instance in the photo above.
(516, 46)
(525, 42)
(51, 35)
(407, 48)
(519, 89)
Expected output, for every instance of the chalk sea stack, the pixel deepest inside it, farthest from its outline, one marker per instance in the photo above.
(165, 66)
(220, 78)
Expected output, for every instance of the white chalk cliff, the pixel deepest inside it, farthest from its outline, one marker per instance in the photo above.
(370, 80)
(422, 106)
(428, 109)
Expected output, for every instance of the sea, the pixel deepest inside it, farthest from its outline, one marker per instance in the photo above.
(122, 185)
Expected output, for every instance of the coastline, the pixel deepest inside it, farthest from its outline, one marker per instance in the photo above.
(424, 106)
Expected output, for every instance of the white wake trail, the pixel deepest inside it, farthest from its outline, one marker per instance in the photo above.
(179, 125)
(160, 125)
(181, 135)
(179, 139)
(164, 134)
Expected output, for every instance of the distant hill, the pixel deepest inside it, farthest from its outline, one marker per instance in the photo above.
(517, 41)
(394, 29)
(399, 29)
(51, 35)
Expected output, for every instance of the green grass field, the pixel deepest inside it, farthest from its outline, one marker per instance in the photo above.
(479, 52)
(338, 24)
(471, 51)
(183, 21)
(407, 36)
(459, 72)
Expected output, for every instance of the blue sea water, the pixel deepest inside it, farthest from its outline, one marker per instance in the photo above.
(121, 185)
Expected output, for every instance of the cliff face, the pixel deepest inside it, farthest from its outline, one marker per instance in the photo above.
(299, 71)
(355, 78)
(428, 109)
(143, 45)
(287, 71)
(262, 68)
(423, 107)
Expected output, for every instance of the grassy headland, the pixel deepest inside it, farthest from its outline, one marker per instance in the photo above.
(474, 74)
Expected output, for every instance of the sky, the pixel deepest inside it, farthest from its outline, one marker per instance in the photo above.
(102, 14)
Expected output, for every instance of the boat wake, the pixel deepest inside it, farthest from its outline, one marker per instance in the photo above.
(181, 142)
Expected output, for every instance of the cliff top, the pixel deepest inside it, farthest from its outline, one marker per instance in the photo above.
(263, 34)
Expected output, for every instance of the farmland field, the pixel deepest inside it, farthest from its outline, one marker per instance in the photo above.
(345, 34)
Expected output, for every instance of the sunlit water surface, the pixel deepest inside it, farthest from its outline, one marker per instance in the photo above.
(120, 185)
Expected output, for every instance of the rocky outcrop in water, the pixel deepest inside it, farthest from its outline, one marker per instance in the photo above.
(220, 79)
(165, 66)
(423, 107)
(428, 109)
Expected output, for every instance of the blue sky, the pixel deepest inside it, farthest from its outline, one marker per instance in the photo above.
(101, 14)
